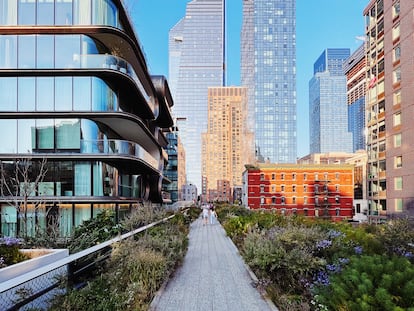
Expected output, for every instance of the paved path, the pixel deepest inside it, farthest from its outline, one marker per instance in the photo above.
(213, 277)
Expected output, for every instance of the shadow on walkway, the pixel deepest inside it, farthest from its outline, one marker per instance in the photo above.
(213, 277)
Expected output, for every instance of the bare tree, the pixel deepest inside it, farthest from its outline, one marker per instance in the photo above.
(21, 181)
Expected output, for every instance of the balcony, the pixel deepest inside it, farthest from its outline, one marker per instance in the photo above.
(107, 61)
(119, 147)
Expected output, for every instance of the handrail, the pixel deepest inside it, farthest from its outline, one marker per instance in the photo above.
(7, 285)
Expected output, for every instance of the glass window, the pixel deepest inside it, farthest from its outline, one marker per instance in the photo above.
(396, 9)
(396, 53)
(398, 205)
(45, 137)
(45, 12)
(397, 97)
(82, 212)
(8, 94)
(63, 12)
(26, 136)
(82, 12)
(397, 140)
(82, 179)
(97, 179)
(105, 13)
(44, 51)
(262, 188)
(397, 118)
(68, 134)
(398, 183)
(27, 12)
(44, 94)
(398, 161)
(397, 75)
(82, 93)
(8, 12)
(27, 51)
(67, 51)
(396, 32)
(9, 136)
(63, 93)
(26, 93)
(8, 51)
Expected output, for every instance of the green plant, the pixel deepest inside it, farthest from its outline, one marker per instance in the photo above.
(9, 251)
(370, 283)
(94, 231)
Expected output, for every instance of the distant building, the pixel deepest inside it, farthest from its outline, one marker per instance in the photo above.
(354, 69)
(227, 144)
(310, 190)
(268, 70)
(189, 193)
(197, 55)
(328, 109)
(390, 127)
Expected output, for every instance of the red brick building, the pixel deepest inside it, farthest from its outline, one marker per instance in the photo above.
(310, 190)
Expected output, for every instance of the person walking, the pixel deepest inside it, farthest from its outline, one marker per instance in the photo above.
(205, 214)
(213, 216)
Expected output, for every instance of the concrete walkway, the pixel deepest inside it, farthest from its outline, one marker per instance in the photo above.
(213, 277)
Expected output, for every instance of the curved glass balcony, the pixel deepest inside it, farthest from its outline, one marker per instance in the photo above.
(90, 61)
(119, 147)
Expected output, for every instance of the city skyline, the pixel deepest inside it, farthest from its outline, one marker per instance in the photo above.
(339, 24)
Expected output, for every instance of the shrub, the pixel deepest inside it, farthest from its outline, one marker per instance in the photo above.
(9, 251)
(370, 283)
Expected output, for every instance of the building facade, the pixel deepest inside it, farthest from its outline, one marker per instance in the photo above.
(226, 145)
(268, 70)
(328, 109)
(310, 190)
(75, 94)
(354, 69)
(196, 54)
(390, 75)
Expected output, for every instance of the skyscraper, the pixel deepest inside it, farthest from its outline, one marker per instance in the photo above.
(328, 111)
(354, 69)
(196, 54)
(268, 70)
(227, 141)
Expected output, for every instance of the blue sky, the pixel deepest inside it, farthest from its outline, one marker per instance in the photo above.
(320, 24)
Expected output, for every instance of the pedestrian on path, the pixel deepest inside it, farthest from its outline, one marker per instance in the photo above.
(205, 214)
(213, 216)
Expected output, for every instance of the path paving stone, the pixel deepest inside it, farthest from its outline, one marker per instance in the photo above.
(213, 277)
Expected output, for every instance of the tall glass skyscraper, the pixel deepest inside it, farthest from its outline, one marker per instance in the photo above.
(268, 70)
(328, 109)
(196, 51)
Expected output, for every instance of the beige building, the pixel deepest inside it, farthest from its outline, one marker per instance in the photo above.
(390, 108)
(227, 145)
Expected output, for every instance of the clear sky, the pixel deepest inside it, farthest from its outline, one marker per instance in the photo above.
(320, 24)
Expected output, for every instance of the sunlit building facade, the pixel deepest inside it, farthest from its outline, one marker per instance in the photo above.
(268, 70)
(328, 109)
(354, 69)
(226, 144)
(309, 190)
(75, 92)
(390, 128)
(196, 55)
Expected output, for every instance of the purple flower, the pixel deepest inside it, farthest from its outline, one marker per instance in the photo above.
(343, 261)
(358, 250)
(334, 234)
(323, 244)
(321, 278)
(408, 255)
(10, 241)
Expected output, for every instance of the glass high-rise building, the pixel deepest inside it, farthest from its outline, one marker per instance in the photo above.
(196, 54)
(268, 70)
(328, 109)
(76, 94)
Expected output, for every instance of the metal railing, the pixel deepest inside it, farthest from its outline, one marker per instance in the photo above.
(36, 288)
